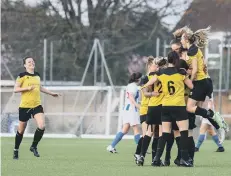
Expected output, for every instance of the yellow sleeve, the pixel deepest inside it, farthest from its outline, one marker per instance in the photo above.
(20, 79)
(184, 77)
(193, 57)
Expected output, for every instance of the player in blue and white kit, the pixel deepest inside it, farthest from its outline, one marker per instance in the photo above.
(130, 114)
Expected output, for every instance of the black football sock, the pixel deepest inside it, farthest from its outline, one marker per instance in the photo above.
(37, 137)
(178, 148)
(169, 145)
(154, 146)
(146, 142)
(191, 147)
(214, 123)
(18, 140)
(138, 148)
(184, 145)
(161, 144)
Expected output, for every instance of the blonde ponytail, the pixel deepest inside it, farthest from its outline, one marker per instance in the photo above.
(201, 37)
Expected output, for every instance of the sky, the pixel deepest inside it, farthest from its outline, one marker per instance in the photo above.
(170, 20)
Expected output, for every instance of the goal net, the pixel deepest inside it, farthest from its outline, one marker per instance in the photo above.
(84, 111)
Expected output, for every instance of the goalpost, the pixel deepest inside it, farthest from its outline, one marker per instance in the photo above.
(95, 115)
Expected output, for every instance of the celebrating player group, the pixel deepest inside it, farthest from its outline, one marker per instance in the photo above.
(172, 95)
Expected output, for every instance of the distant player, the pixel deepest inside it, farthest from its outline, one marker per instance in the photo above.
(130, 114)
(173, 107)
(28, 84)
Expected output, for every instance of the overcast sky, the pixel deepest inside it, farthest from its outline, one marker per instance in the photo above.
(171, 20)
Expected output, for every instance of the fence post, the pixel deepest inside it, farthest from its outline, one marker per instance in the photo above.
(108, 112)
(121, 105)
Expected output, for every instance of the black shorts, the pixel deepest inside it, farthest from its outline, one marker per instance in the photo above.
(191, 118)
(174, 113)
(26, 113)
(154, 115)
(201, 89)
(143, 118)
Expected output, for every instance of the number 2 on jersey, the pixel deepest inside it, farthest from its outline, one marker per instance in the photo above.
(171, 88)
(160, 87)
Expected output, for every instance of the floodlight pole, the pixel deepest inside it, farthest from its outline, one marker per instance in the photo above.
(228, 64)
(220, 77)
(44, 61)
(51, 61)
(157, 47)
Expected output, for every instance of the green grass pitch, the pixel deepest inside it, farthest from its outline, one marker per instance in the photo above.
(88, 157)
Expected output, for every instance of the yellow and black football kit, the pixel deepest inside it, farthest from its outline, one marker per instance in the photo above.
(30, 100)
(173, 103)
(155, 103)
(191, 116)
(201, 85)
(144, 102)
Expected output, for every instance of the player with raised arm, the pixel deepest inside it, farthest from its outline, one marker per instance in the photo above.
(173, 107)
(195, 60)
(28, 84)
(130, 114)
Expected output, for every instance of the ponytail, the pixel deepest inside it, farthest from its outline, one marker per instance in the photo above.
(150, 61)
(135, 77)
(201, 37)
(173, 58)
(161, 61)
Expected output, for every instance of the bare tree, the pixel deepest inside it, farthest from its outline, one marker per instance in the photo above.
(125, 26)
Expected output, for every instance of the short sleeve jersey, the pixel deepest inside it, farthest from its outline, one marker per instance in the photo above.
(29, 99)
(195, 53)
(157, 87)
(172, 81)
(132, 89)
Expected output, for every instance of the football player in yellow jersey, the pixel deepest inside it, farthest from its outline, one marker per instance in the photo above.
(192, 41)
(145, 95)
(176, 46)
(173, 106)
(154, 115)
(28, 84)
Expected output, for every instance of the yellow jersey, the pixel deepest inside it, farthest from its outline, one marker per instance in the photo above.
(157, 87)
(172, 81)
(195, 53)
(29, 99)
(144, 99)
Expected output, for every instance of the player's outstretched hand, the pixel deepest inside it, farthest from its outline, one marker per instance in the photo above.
(55, 94)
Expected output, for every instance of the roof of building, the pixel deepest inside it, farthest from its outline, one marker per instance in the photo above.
(202, 13)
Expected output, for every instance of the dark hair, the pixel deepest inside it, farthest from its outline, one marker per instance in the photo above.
(25, 58)
(134, 77)
(183, 64)
(175, 41)
(173, 58)
(161, 61)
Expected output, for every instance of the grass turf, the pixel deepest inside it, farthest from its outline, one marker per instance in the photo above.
(73, 157)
